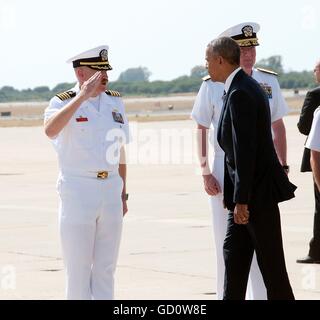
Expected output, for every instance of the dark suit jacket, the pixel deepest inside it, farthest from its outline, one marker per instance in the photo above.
(311, 103)
(253, 173)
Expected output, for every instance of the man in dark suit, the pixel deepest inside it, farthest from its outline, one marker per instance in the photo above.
(311, 103)
(254, 180)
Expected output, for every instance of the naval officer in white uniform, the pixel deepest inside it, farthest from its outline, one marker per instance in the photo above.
(89, 128)
(206, 113)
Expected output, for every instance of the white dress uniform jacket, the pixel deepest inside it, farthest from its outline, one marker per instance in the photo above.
(91, 138)
(269, 82)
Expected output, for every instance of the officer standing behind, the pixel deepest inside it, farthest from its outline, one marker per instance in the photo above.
(89, 128)
(311, 103)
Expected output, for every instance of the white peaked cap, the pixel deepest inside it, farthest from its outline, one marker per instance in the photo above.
(245, 34)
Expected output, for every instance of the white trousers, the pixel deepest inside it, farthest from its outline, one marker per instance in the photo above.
(90, 223)
(256, 289)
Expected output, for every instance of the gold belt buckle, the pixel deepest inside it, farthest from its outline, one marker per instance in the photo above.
(102, 175)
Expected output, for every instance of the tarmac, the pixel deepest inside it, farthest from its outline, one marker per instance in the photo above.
(167, 249)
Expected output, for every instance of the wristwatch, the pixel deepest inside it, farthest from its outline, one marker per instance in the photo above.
(286, 168)
(125, 197)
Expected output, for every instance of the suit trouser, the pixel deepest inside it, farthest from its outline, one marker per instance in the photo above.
(262, 234)
(256, 289)
(90, 223)
(314, 245)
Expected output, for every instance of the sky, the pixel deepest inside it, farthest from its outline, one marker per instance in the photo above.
(168, 37)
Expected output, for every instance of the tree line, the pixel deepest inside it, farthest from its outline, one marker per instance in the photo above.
(135, 82)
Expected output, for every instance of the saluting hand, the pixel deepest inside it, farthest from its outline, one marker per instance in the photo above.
(94, 85)
(211, 185)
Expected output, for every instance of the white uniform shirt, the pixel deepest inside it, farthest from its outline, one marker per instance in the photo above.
(207, 108)
(91, 140)
(313, 141)
(95, 101)
(229, 80)
(270, 84)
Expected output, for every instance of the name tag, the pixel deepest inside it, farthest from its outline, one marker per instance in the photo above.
(81, 119)
(117, 117)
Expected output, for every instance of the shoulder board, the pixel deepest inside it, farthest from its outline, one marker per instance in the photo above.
(113, 93)
(206, 78)
(66, 95)
(267, 71)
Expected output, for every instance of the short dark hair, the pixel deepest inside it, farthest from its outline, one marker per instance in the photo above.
(227, 48)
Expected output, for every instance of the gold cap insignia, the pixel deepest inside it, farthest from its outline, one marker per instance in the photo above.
(247, 31)
(104, 55)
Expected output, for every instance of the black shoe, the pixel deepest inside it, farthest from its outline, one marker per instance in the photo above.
(308, 259)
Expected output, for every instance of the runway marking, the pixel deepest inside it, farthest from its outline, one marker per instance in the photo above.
(51, 270)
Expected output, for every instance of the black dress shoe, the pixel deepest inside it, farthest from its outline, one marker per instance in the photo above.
(308, 259)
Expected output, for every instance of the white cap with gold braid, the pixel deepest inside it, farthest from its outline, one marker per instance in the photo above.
(96, 58)
(245, 34)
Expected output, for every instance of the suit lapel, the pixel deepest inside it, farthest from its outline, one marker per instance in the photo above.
(238, 75)
(225, 99)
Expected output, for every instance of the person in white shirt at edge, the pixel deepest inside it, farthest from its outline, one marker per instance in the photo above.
(313, 143)
(206, 113)
(89, 128)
